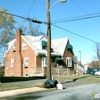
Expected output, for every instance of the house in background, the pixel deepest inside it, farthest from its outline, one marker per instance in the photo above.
(27, 55)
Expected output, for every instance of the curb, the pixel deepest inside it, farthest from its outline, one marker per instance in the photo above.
(17, 92)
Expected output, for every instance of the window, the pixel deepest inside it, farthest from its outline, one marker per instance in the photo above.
(44, 45)
(12, 62)
(12, 74)
(44, 61)
(26, 74)
(23, 46)
(69, 62)
(26, 61)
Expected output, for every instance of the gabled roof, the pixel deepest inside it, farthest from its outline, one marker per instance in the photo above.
(59, 45)
(32, 38)
(10, 44)
(33, 41)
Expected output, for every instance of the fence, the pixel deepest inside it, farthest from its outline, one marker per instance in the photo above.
(35, 71)
(62, 71)
(42, 71)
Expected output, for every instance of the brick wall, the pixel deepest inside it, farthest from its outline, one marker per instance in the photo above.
(19, 56)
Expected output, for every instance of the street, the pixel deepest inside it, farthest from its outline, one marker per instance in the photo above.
(80, 92)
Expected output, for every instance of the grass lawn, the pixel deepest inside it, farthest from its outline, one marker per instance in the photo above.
(76, 78)
(79, 78)
(5, 87)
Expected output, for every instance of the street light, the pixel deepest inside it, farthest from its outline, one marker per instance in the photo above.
(62, 1)
(80, 57)
(49, 37)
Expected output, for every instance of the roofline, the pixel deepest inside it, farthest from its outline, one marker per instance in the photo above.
(60, 39)
(28, 43)
(9, 47)
(65, 46)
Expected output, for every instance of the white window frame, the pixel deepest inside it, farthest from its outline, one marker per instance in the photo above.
(44, 61)
(25, 61)
(24, 46)
(12, 74)
(12, 62)
(69, 62)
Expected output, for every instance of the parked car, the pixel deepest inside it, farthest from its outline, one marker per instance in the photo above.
(97, 73)
(90, 71)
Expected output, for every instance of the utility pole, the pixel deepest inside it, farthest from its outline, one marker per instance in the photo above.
(48, 41)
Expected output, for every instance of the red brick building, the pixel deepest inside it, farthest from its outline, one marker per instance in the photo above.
(26, 54)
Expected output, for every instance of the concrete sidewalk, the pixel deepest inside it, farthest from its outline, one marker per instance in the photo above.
(10, 93)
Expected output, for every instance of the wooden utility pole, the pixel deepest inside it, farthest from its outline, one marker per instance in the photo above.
(48, 41)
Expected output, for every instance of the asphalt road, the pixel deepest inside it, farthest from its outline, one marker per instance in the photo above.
(80, 92)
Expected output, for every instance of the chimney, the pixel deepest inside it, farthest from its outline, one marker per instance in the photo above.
(18, 56)
(18, 40)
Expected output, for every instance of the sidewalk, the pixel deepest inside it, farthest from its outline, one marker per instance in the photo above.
(10, 93)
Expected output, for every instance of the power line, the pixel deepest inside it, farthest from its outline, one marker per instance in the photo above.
(69, 20)
(95, 5)
(83, 10)
(78, 6)
(29, 19)
(41, 22)
(87, 5)
(75, 34)
(91, 10)
(29, 12)
(75, 17)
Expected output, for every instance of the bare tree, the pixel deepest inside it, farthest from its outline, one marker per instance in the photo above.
(32, 29)
(6, 29)
(98, 51)
(95, 64)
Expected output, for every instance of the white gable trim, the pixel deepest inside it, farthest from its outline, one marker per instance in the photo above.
(65, 46)
(28, 43)
(10, 44)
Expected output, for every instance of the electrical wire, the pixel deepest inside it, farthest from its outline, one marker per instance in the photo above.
(78, 6)
(75, 34)
(90, 9)
(59, 20)
(95, 5)
(29, 19)
(87, 5)
(83, 10)
(69, 20)
(28, 13)
(40, 22)
(76, 18)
